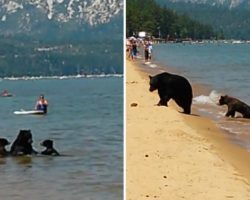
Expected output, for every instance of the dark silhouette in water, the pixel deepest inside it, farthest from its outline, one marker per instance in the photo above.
(50, 150)
(23, 144)
(3, 142)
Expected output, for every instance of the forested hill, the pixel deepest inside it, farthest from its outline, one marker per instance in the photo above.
(36, 58)
(235, 22)
(147, 15)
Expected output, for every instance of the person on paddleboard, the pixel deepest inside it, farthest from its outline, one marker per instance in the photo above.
(42, 104)
(5, 93)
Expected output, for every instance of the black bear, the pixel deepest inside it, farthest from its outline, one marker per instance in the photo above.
(23, 144)
(49, 148)
(235, 105)
(172, 86)
(3, 143)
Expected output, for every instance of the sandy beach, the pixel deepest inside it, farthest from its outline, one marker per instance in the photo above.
(170, 155)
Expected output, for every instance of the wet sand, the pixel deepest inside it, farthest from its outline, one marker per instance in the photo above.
(170, 155)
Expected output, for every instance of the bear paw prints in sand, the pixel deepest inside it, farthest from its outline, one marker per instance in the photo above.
(153, 196)
(132, 82)
(133, 104)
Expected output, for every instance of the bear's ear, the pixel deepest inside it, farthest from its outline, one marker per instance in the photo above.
(150, 77)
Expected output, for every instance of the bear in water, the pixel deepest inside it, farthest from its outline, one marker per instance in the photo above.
(172, 86)
(23, 144)
(49, 148)
(235, 105)
(3, 143)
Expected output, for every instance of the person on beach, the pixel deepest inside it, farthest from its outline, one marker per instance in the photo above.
(128, 48)
(134, 50)
(146, 52)
(42, 104)
(150, 48)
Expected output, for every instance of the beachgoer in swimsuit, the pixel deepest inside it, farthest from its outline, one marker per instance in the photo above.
(42, 104)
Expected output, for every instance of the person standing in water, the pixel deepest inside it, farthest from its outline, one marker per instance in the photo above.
(42, 104)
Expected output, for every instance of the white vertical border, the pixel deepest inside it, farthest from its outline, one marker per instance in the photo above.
(124, 100)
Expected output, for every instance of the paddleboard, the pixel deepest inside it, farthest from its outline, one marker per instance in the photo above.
(6, 95)
(29, 112)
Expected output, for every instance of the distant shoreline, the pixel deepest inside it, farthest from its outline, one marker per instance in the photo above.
(62, 77)
(190, 41)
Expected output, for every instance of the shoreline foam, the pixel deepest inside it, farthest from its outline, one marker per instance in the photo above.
(62, 77)
(170, 155)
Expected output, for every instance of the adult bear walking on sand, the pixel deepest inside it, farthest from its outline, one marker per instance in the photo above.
(172, 86)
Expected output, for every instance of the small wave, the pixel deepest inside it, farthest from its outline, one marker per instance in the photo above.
(211, 99)
(63, 77)
(152, 65)
(231, 130)
(220, 113)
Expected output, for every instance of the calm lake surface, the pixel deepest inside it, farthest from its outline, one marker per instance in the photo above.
(220, 68)
(85, 121)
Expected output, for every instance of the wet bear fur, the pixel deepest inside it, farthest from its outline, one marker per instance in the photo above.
(23, 144)
(235, 105)
(3, 143)
(172, 86)
(50, 150)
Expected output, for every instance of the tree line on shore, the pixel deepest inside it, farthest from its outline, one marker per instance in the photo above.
(161, 22)
(234, 22)
(35, 58)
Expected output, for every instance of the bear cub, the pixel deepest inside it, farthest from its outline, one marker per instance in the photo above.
(49, 148)
(3, 143)
(172, 86)
(235, 105)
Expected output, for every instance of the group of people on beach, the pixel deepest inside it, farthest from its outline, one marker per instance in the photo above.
(133, 44)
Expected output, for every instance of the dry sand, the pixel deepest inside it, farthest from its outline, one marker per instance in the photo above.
(170, 155)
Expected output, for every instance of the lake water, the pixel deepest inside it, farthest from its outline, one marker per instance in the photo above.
(218, 69)
(85, 121)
